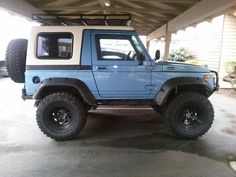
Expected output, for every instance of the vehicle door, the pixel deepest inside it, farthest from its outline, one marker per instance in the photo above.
(121, 68)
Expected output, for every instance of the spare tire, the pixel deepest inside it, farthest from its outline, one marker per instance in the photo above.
(16, 59)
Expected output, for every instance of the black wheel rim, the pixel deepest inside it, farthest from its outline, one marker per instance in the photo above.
(190, 117)
(59, 117)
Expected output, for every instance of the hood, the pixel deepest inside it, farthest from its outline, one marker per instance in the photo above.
(183, 67)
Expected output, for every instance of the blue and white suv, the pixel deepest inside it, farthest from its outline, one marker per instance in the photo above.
(70, 70)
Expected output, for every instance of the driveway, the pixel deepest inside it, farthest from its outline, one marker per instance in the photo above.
(115, 142)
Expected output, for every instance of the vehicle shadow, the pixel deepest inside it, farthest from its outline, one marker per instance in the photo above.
(140, 129)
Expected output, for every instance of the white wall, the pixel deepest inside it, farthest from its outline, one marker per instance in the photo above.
(228, 45)
(204, 40)
(213, 42)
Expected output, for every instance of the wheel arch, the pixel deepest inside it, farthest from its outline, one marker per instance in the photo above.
(71, 85)
(180, 85)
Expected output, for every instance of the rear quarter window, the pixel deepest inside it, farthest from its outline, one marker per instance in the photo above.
(54, 46)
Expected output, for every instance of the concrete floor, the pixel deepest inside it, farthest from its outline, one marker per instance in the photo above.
(120, 142)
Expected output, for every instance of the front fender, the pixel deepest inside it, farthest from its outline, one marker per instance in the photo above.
(171, 84)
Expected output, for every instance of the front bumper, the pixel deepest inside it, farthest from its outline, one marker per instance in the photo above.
(216, 80)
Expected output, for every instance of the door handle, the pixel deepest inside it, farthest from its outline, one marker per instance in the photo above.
(171, 68)
(102, 68)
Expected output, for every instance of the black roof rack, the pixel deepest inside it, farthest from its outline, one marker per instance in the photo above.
(82, 19)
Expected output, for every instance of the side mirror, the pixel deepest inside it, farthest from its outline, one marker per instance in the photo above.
(141, 58)
(157, 55)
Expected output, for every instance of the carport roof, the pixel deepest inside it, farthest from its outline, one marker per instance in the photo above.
(146, 15)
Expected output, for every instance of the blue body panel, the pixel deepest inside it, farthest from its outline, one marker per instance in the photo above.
(85, 76)
(113, 80)
(86, 49)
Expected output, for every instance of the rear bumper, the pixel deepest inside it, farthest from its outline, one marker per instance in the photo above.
(216, 80)
(3, 72)
(25, 96)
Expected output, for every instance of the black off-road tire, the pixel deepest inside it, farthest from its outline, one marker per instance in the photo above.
(61, 116)
(189, 116)
(16, 59)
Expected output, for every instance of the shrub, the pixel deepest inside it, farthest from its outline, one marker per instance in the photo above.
(230, 66)
(181, 55)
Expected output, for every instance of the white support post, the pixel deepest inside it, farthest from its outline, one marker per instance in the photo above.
(167, 44)
(148, 45)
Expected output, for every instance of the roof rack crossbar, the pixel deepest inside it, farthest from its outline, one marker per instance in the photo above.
(82, 19)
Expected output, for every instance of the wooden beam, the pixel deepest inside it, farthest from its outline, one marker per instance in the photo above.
(150, 18)
(160, 5)
(77, 3)
(58, 2)
(109, 9)
(102, 3)
(148, 5)
(146, 20)
(130, 4)
(135, 5)
(43, 2)
(145, 14)
(143, 25)
(181, 1)
(163, 1)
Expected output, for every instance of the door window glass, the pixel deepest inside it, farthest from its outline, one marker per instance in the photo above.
(117, 47)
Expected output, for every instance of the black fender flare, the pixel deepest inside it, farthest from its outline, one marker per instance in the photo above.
(171, 84)
(76, 84)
